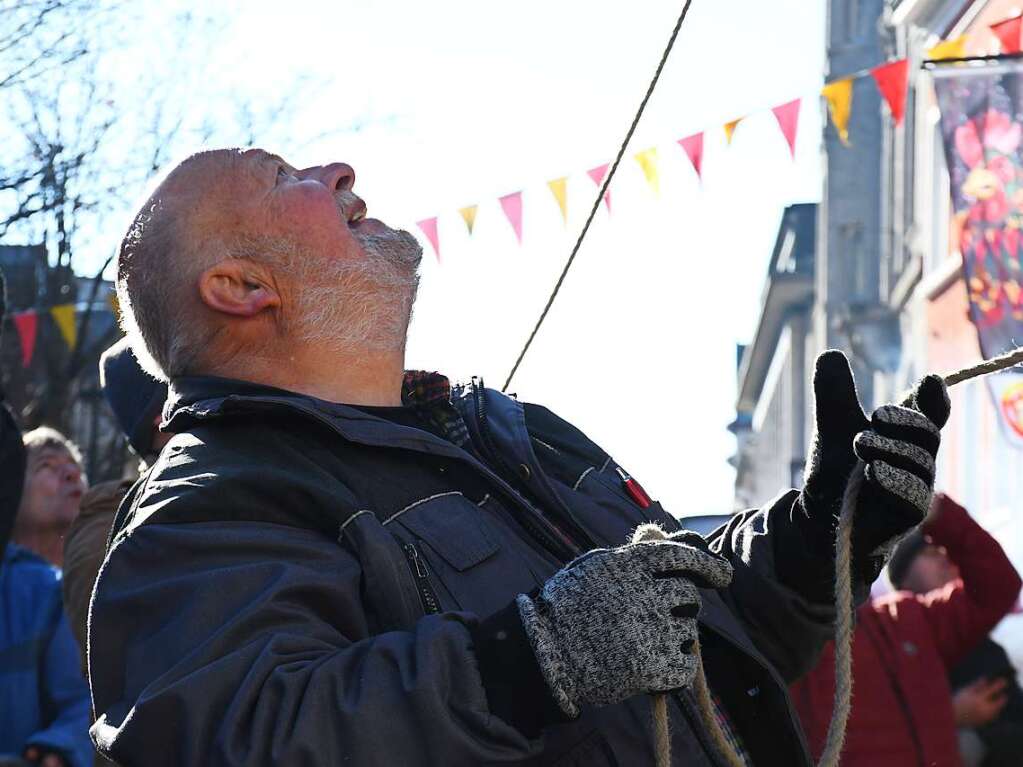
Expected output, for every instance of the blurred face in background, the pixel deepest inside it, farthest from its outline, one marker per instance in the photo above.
(931, 570)
(54, 485)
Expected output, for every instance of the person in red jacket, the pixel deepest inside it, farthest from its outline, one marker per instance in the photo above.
(903, 648)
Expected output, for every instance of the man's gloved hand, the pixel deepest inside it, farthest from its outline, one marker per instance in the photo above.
(618, 622)
(898, 445)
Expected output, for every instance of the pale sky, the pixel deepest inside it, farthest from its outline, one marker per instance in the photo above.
(466, 101)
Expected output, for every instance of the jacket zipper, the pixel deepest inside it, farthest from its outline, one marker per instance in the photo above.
(427, 596)
(479, 394)
(554, 540)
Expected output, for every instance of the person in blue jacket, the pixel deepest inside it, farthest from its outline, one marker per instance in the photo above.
(44, 700)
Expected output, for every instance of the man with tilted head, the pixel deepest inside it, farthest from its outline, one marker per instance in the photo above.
(338, 561)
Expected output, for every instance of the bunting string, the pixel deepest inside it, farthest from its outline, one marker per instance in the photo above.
(891, 78)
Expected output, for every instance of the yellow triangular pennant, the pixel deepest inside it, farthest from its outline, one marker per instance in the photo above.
(469, 216)
(559, 188)
(647, 160)
(839, 97)
(64, 316)
(948, 49)
(115, 307)
(730, 129)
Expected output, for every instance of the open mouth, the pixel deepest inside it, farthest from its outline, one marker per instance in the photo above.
(356, 213)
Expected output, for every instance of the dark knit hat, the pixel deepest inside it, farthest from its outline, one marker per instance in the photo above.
(135, 396)
(902, 558)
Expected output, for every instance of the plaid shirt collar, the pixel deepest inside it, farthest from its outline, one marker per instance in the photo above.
(430, 394)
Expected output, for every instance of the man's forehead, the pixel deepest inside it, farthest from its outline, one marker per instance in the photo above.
(263, 155)
(216, 172)
(217, 161)
(261, 158)
(50, 452)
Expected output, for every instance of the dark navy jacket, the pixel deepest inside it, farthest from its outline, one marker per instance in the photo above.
(296, 582)
(44, 700)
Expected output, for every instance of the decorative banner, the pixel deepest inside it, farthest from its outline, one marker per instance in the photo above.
(26, 324)
(949, 49)
(693, 147)
(512, 205)
(429, 227)
(981, 114)
(787, 116)
(469, 216)
(559, 188)
(892, 79)
(1008, 34)
(1007, 394)
(597, 174)
(839, 97)
(647, 160)
(64, 316)
(730, 129)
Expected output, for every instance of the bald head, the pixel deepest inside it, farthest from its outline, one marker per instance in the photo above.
(236, 247)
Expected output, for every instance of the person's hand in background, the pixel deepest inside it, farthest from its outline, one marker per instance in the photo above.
(980, 702)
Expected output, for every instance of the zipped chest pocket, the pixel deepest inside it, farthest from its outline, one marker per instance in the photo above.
(461, 557)
(421, 576)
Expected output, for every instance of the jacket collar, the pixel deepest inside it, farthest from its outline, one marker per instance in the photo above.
(202, 396)
(193, 400)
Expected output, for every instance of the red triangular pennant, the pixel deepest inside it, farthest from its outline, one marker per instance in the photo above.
(429, 227)
(26, 324)
(511, 204)
(597, 174)
(787, 116)
(693, 147)
(891, 79)
(1008, 33)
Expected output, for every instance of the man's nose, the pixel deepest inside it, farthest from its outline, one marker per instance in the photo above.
(337, 177)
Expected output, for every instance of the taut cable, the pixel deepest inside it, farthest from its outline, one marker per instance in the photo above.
(600, 194)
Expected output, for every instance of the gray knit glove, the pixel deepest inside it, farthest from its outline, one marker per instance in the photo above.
(615, 623)
(898, 444)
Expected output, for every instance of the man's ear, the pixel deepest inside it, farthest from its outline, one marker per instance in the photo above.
(238, 287)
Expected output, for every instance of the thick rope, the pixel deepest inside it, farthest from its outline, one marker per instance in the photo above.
(986, 367)
(601, 193)
(709, 717)
(659, 702)
(844, 622)
(844, 619)
(662, 733)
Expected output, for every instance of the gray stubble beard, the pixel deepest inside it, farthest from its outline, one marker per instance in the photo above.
(365, 305)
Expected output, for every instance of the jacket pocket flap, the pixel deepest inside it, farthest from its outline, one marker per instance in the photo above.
(452, 528)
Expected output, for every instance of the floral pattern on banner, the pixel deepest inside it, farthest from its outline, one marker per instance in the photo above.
(982, 128)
